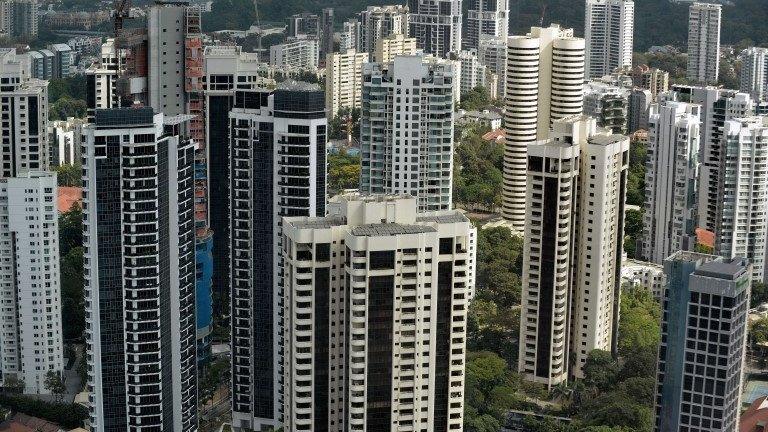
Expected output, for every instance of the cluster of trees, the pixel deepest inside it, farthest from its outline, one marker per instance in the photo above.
(477, 170)
(212, 376)
(476, 99)
(68, 415)
(633, 225)
(66, 97)
(343, 172)
(344, 124)
(71, 264)
(69, 175)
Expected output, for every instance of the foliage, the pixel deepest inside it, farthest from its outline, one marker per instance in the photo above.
(476, 99)
(344, 124)
(639, 327)
(600, 370)
(69, 175)
(230, 15)
(68, 415)
(54, 384)
(633, 229)
(71, 264)
(343, 172)
(477, 170)
(70, 229)
(490, 391)
(758, 331)
(759, 294)
(74, 87)
(213, 376)
(67, 107)
(13, 384)
(636, 175)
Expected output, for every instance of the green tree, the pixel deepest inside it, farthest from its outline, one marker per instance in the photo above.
(69, 175)
(213, 376)
(13, 384)
(633, 229)
(758, 331)
(67, 107)
(476, 99)
(343, 172)
(759, 294)
(70, 229)
(639, 326)
(230, 15)
(54, 384)
(72, 294)
(601, 370)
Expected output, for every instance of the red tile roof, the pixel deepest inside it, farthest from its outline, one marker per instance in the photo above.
(755, 418)
(494, 135)
(24, 423)
(705, 238)
(69, 195)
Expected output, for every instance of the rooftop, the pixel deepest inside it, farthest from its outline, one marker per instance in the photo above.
(453, 217)
(730, 269)
(123, 117)
(318, 223)
(391, 229)
(604, 140)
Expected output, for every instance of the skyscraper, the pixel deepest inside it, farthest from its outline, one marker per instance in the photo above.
(754, 73)
(366, 288)
(326, 38)
(572, 258)
(703, 344)
(670, 180)
(704, 42)
(436, 25)
(485, 19)
(387, 48)
(349, 38)
(472, 73)
(608, 104)
(742, 222)
(608, 29)
(19, 18)
(139, 238)
(276, 168)
(545, 76)
(32, 339)
(492, 52)
(377, 22)
(406, 128)
(638, 109)
(344, 80)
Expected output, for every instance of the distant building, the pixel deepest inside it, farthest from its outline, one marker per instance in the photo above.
(638, 110)
(326, 33)
(19, 18)
(704, 334)
(472, 72)
(486, 118)
(349, 37)
(295, 54)
(704, 22)
(645, 274)
(303, 25)
(485, 19)
(492, 53)
(343, 80)
(609, 33)
(387, 48)
(652, 79)
(608, 104)
(436, 25)
(754, 73)
(377, 22)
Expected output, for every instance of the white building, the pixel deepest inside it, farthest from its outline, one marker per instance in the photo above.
(485, 18)
(436, 25)
(608, 29)
(139, 238)
(31, 341)
(349, 37)
(367, 288)
(344, 80)
(744, 194)
(472, 72)
(638, 109)
(24, 101)
(387, 48)
(671, 179)
(645, 274)
(102, 78)
(492, 53)
(572, 256)
(544, 82)
(704, 42)
(65, 137)
(406, 142)
(295, 54)
(277, 151)
(754, 73)
(608, 104)
(377, 22)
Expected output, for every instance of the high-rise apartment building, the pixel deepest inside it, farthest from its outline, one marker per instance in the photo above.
(485, 19)
(704, 335)
(24, 145)
(608, 104)
(139, 237)
(754, 73)
(572, 257)
(387, 48)
(717, 106)
(436, 25)
(704, 21)
(19, 18)
(544, 82)
(672, 168)
(276, 169)
(472, 73)
(492, 53)
(742, 222)
(365, 288)
(349, 37)
(227, 70)
(326, 33)
(295, 54)
(31, 341)
(406, 128)
(652, 79)
(344, 80)
(638, 109)
(377, 22)
(303, 24)
(609, 32)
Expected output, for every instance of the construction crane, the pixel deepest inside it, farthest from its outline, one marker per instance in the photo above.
(122, 11)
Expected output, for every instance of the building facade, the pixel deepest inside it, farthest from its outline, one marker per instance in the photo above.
(608, 104)
(704, 22)
(492, 52)
(276, 169)
(742, 222)
(343, 80)
(366, 286)
(472, 73)
(387, 48)
(609, 32)
(32, 341)
(572, 258)
(652, 79)
(754, 73)
(436, 25)
(672, 168)
(377, 22)
(139, 237)
(544, 82)
(406, 142)
(485, 19)
(295, 54)
(704, 337)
